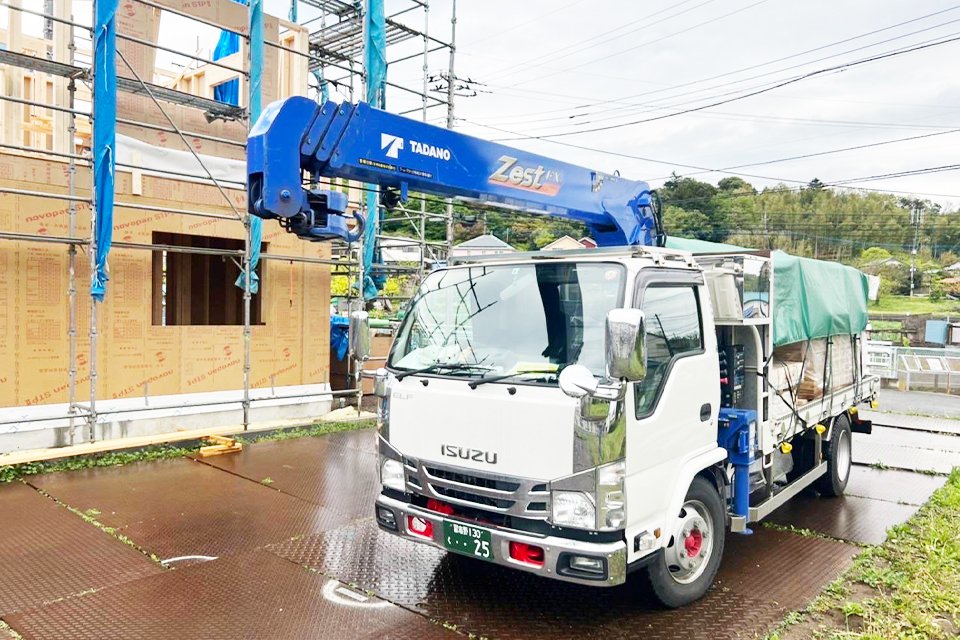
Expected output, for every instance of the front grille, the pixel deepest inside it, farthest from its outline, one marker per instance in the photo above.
(474, 481)
(486, 492)
(472, 497)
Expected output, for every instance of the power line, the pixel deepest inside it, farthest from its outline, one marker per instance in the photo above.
(778, 85)
(654, 106)
(602, 37)
(801, 183)
(647, 43)
(751, 67)
(829, 152)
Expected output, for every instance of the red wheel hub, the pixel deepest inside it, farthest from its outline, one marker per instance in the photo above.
(692, 543)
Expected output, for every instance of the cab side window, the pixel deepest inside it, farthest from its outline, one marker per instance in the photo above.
(674, 330)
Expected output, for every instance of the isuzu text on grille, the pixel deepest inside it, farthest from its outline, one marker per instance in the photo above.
(451, 451)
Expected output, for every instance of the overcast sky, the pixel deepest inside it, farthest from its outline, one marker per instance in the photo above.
(543, 68)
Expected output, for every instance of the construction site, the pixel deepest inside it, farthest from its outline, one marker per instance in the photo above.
(175, 345)
(197, 434)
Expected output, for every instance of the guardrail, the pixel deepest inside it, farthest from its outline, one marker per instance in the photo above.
(930, 369)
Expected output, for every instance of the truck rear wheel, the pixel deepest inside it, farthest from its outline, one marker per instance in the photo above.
(839, 454)
(689, 563)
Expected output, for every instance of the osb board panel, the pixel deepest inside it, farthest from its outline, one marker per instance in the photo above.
(141, 22)
(228, 15)
(187, 119)
(136, 358)
(8, 316)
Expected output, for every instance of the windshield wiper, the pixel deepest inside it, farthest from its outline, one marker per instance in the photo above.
(437, 366)
(477, 383)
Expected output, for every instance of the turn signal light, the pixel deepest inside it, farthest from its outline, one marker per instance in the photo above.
(526, 553)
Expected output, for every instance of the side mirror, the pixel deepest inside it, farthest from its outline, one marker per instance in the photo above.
(359, 335)
(626, 345)
(577, 381)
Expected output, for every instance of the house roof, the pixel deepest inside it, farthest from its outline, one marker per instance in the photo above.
(484, 242)
(882, 262)
(563, 242)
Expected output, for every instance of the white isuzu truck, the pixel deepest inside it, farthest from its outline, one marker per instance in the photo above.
(578, 415)
(581, 415)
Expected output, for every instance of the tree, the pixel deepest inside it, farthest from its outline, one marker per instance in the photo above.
(685, 223)
(874, 254)
(735, 185)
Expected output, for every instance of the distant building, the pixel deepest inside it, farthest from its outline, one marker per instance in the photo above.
(565, 243)
(481, 246)
(874, 267)
(395, 250)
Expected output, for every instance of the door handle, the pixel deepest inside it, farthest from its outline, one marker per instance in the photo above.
(705, 411)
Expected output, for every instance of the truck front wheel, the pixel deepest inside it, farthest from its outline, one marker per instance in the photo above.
(689, 563)
(839, 455)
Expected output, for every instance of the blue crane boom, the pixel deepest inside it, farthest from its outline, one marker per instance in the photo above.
(360, 142)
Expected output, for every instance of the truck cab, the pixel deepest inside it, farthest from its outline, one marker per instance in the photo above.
(485, 449)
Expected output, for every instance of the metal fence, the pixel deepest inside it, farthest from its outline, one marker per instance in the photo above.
(915, 368)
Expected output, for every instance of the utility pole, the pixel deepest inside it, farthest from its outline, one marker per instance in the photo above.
(916, 219)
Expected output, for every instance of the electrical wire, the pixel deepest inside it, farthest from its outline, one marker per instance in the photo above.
(756, 92)
(748, 68)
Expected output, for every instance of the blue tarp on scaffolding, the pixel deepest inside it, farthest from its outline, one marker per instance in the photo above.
(229, 92)
(375, 61)
(104, 135)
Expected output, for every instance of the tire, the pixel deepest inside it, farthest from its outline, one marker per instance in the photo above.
(839, 455)
(700, 526)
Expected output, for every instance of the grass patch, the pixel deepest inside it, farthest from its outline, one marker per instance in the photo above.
(10, 473)
(321, 429)
(916, 305)
(908, 587)
(7, 631)
(805, 533)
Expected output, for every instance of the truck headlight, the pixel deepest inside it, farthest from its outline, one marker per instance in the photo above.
(610, 496)
(392, 475)
(573, 509)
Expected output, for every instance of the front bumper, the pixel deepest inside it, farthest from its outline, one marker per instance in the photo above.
(555, 549)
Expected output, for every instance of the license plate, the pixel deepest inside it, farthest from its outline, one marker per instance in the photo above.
(467, 539)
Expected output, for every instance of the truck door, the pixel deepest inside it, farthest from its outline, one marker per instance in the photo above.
(672, 413)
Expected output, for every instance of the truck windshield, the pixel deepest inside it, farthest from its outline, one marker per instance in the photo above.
(530, 320)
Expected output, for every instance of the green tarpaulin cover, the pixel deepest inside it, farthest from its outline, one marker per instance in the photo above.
(811, 298)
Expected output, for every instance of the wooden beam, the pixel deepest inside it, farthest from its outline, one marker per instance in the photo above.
(88, 448)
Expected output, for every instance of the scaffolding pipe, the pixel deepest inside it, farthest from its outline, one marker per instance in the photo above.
(255, 87)
(184, 14)
(52, 107)
(166, 116)
(192, 134)
(154, 45)
(43, 194)
(46, 16)
(450, 115)
(212, 403)
(425, 68)
(72, 250)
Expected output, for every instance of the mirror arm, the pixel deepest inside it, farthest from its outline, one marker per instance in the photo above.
(612, 390)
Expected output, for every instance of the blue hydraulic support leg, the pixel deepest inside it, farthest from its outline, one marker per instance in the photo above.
(737, 433)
